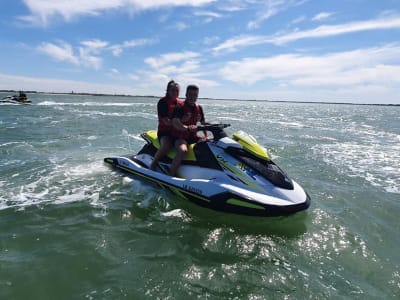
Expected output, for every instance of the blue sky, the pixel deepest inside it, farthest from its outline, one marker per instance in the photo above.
(304, 50)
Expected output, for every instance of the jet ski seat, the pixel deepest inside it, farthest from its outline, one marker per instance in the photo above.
(151, 137)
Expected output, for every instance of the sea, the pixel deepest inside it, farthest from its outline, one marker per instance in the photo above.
(73, 228)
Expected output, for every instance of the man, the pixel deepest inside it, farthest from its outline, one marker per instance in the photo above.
(185, 118)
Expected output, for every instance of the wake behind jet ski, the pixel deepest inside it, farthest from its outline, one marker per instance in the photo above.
(228, 174)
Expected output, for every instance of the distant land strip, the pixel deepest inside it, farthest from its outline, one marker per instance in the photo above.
(157, 97)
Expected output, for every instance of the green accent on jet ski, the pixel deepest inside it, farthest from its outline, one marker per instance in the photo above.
(109, 160)
(192, 194)
(239, 174)
(177, 191)
(237, 202)
(249, 143)
(151, 136)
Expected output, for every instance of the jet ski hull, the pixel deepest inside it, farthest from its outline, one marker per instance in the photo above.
(14, 100)
(215, 192)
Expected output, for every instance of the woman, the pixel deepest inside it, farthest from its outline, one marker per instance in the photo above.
(165, 109)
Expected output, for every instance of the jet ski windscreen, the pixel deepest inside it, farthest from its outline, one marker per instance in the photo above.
(267, 169)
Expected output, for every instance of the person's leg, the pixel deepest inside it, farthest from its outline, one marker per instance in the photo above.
(181, 147)
(165, 145)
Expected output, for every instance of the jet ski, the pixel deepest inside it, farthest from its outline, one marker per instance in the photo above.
(15, 100)
(231, 174)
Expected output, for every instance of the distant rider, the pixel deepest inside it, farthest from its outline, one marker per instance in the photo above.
(22, 96)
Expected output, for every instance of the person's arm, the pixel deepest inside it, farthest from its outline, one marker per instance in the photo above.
(176, 120)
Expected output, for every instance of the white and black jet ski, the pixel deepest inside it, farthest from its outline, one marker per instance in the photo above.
(15, 100)
(228, 174)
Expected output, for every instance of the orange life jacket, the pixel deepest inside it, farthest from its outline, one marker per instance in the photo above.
(190, 117)
(171, 106)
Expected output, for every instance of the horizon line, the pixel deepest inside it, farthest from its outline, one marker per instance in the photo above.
(204, 98)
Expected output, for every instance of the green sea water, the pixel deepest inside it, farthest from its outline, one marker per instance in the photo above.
(72, 228)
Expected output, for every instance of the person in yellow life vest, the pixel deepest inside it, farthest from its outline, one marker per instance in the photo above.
(165, 109)
(185, 118)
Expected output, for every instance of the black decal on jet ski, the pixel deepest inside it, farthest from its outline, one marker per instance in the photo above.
(192, 189)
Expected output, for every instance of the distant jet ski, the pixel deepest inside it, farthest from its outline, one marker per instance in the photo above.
(15, 100)
(228, 174)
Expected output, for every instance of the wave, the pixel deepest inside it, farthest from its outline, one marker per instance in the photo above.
(91, 103)
(92, 113)
(57, 183)
(375, 163)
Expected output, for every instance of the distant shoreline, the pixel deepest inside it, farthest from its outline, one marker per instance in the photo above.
(222, 99)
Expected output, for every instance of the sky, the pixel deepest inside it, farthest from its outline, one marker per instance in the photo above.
(278, 50)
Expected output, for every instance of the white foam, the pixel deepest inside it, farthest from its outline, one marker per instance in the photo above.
(378, 164)
(128, 113)
(318, 138)
(57, 182)
(85, 170)
(176, 213)
(92, 103)
(290, 124)
(15, 143)
(71, 196)
(126, 180)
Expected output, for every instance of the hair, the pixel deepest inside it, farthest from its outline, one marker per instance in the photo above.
(171, 84)
(192, 87)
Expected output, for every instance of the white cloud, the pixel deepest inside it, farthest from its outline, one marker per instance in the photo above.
(85, 56)
(89, 52)
(166, 59)
(117, 49)
(179, 26)
(184, 67)
(322, 16)
(55, 85)
(95, 45)
(42, 11)
(320, 32)
(170, 65)
(133, 77)
(234, 5)
(62, 52)
(332, 30)
(370, 67)
(209, 14)
(239, 42)
(88, 60)
(298, 20)
(272, 8)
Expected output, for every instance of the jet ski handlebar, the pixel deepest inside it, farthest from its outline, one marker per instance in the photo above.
(216, 129)
(213, 127)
